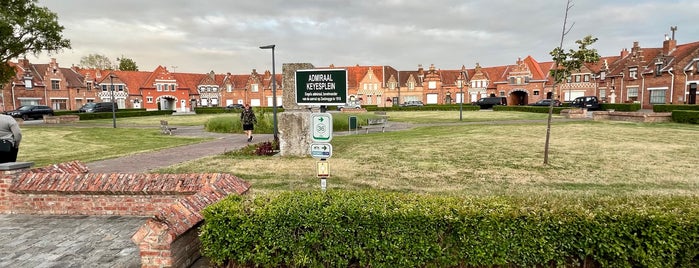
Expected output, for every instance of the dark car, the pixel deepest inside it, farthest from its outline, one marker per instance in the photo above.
(589, 102)
(489, 102)
(412, 103)
(547, 102)
(95, 107)
(234, 107)
(31, 111)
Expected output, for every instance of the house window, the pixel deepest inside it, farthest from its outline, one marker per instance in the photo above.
(229, 87)
(120, 87)
(657, 96)
(104, 87)
(253, 88)
(55, 84)
(569, 79)
(633, 72)
(89, 85)
(658, 67)
(432, 85)
(603, 94)
(411, 85)
(577, 79)
(536, 92)
(519, 80)
(159, 87)
(149, 99)
(502, 93)
(59, 104)
(172, 87)
(586, 78)
(632, 93)
(28, 82)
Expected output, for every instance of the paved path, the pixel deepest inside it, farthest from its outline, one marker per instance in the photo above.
(145, 162)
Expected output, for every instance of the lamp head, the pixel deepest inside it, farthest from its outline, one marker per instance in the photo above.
(268, 47)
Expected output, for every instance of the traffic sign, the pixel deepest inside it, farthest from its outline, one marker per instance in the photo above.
(321, 150)
(321, 127)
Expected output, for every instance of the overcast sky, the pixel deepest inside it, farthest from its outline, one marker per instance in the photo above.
(225, 36)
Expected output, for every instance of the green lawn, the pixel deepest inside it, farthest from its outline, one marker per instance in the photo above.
(587, 158)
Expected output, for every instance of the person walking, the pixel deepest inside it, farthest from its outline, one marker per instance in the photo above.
(248, 119)
(10, 137)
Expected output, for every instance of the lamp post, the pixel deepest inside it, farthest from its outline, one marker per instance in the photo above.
(274, 92)
(111, 85)
(460, 85)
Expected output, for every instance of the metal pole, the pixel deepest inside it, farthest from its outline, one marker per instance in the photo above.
(461, 103)
(274, 92)
(111, 82)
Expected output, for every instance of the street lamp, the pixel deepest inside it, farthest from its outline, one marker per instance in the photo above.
(460, 85)
(274, 92)
(111, 84)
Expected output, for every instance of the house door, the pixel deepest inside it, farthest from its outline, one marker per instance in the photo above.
(692, 94)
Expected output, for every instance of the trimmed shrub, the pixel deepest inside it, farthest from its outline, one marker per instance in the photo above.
(620, 107)
(681, 116)
(666, 108)
(379, 229)
(530, 109)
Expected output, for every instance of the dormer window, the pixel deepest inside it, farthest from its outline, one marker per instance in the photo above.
(432, 85)
(28, 82)
(586, 78)
(658, 68)
(254, 88)
(55, 84)
(89, 86)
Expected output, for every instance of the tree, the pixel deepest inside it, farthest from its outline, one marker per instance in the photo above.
(126, 64)
(26, 28)
(564, 63)
(96, 61)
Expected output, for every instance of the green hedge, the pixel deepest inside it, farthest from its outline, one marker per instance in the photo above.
(123, 114)
(620, 107)
(428, 107)
(531, 109)
(379, 229)
(220, 110)
(682, 116)
(666, 108)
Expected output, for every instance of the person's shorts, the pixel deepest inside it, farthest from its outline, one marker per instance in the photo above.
(248, 127)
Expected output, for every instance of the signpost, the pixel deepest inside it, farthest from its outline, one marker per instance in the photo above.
(321, 150)
(321, 127)
(321, 87)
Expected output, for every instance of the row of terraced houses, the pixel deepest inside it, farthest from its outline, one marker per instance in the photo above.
(658, 75)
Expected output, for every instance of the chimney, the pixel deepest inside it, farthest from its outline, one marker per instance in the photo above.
(624, 53)
(669, 46)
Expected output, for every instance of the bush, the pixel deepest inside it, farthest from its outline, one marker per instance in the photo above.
(530, 109)
(232, 124)
(379, 229)
(666, 108)
(427, 107)
(681, 116)
(620, 107)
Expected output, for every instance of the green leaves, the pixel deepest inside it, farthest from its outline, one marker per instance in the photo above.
(568, 62)
(380, 229)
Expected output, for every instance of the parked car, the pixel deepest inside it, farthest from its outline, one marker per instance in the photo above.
(547, 102)
(30, 111)
(589, 102)
(350, 105)
(94, 107)
(412, 103)
(489, 102)
(234, 107)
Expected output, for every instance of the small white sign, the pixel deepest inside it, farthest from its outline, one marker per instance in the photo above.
(321, 150)
(321, 127)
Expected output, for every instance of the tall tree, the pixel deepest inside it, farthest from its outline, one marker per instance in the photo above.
(565, 63)
(127, 64)
(26, 28)
(96, 61)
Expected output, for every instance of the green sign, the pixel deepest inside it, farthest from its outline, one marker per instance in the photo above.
(321, 87)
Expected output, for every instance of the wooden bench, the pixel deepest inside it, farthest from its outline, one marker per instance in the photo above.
(376, 123)
(165, 128)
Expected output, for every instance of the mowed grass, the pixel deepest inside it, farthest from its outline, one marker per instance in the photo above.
(586, 158)
(46, 145)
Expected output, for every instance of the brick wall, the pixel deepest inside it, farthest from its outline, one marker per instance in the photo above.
(168, 239)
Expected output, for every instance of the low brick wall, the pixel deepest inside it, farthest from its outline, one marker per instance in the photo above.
(168, 239)
(632, 116)
(60, 119)
(574, 113)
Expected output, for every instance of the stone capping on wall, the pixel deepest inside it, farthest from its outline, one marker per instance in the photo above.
(174, 200)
